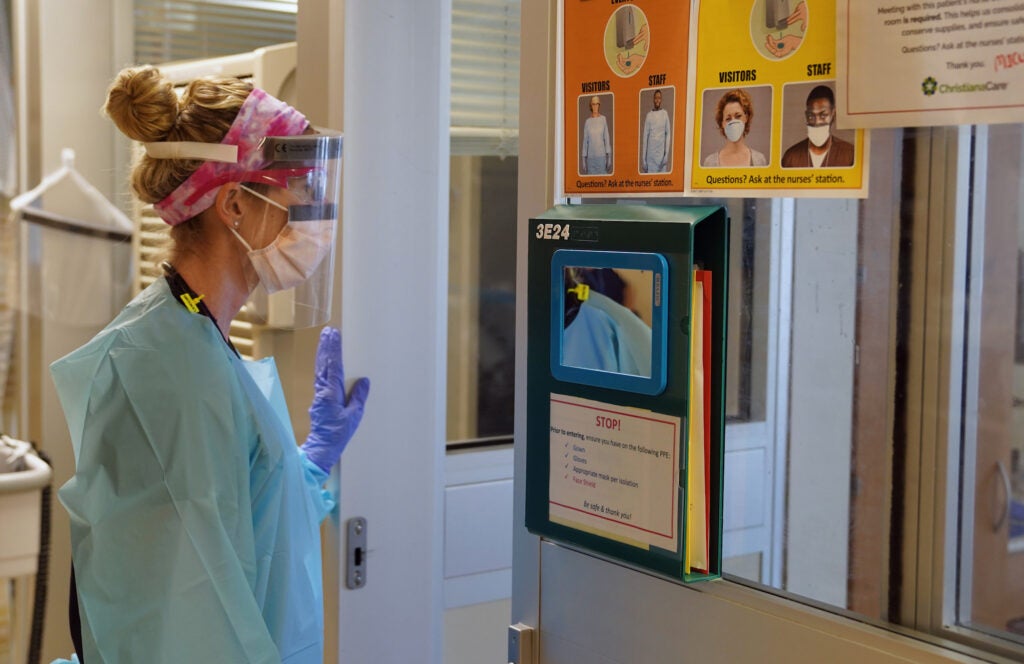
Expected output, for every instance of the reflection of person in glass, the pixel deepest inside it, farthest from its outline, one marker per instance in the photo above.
(732, 117)
(657, 139)
(600, 331)
(821, 147)
(597, 145)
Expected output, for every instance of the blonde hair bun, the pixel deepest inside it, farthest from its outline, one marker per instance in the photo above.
(142, 103)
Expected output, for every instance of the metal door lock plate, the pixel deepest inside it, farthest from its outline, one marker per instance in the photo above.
(355, 544)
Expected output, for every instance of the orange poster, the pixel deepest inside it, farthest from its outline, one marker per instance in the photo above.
(624, 96)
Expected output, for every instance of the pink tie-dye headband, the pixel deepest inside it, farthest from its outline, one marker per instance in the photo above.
(261, 115)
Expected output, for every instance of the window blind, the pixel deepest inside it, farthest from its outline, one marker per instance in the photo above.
(485, 77)
(170, 30)
(485, 54)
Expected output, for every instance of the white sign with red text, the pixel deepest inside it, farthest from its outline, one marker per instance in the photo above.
(945, 62)
(615, 471)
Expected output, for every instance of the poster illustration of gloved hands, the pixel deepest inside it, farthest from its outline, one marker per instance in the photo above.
(624, 96)
(763, 115)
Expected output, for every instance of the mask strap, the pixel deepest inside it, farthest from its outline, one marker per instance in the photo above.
(241, 239)
(266, 198)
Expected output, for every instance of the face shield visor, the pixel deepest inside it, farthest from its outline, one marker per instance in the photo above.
(271, 152)
(300, 183)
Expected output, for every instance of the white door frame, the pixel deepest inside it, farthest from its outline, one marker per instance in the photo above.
(379, 70)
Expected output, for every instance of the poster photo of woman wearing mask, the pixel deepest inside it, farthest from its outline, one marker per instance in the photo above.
(737, 131)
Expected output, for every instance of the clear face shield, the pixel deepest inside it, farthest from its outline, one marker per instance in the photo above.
(292, 253)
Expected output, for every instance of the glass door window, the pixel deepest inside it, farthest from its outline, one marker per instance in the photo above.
(991, 582)
(891, 364)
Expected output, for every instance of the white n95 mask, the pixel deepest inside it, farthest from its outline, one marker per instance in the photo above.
(818, 135)
(734, 130)
(294, 254)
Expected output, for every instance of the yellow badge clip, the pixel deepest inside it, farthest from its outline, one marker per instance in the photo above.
(582, 292)
(191, 303)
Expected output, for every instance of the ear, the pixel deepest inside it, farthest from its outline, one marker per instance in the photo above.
(228, 205)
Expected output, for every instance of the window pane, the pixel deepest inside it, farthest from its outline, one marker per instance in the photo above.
(992, 566)
(809, 472)
(747, 345)
(481, 297)
(895, 338)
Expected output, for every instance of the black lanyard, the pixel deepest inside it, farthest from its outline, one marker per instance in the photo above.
(188, 298)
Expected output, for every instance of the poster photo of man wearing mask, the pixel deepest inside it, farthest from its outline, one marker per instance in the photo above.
(809, 111)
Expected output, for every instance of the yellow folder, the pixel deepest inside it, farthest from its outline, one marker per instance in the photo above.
(697, 447)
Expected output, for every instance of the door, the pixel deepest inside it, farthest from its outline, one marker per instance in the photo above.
(378, 69)
(995, 438)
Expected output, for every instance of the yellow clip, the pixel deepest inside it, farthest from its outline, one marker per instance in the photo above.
(582, 292)
(191, 303)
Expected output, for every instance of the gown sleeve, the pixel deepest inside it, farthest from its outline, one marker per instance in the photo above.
(162, 531)
(267, 381)
(323, 500)
(668, 138)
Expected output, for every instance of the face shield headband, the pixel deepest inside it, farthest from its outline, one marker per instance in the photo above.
(234, 159)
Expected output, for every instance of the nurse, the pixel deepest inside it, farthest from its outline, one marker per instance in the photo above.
(194, 514)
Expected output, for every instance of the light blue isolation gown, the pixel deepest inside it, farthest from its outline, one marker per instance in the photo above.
(597, 145)
(656, 141)
(194, 515)
(608, 337)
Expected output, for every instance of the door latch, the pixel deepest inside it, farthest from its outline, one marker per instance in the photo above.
(520, 644)
(355, 543)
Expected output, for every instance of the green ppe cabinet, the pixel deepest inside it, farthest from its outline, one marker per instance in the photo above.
(615, 399)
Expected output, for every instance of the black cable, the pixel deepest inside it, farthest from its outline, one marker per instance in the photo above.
(42, 570)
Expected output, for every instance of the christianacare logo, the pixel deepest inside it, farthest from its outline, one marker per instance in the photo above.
(930, 86)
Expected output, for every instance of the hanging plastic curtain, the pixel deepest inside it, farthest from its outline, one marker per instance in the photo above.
(76, 250)
(8, 290)
(8, 180)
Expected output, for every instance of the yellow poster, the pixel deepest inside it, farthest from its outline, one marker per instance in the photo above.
(764, 108)
(624, 96)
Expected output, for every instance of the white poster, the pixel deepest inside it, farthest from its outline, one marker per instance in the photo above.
(942, 62)
(615, 471)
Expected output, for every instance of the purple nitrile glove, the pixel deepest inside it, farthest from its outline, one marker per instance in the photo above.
(333, 418)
